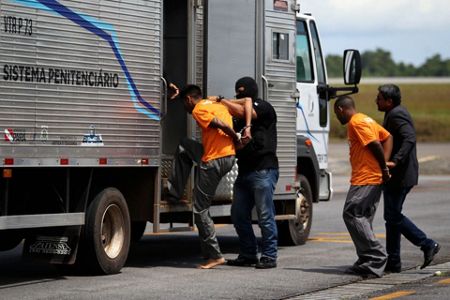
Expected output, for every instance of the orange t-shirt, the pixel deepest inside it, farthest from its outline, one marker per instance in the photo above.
(361, 131)
(216, 143)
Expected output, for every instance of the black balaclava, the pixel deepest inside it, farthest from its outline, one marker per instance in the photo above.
(250, 88)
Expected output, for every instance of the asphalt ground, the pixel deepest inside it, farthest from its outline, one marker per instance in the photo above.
(162, 266)
(413, 283)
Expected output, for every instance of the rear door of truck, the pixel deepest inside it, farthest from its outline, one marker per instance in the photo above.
(257, 39)
(279, 86)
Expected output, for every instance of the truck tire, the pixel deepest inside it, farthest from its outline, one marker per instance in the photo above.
(296, 232)
(107, 233)
(10, 239)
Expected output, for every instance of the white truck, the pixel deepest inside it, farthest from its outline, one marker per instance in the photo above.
(89, 135)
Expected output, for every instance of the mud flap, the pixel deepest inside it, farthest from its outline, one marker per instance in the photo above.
(58, 245)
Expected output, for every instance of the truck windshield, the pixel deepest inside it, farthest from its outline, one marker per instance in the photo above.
(303, 53)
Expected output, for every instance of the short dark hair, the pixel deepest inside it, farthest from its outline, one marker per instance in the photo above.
(344, 101)
(191, 90)
(391, 91)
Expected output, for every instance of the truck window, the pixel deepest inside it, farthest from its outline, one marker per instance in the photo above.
(280, 46)
(303, 53)
(323, 102)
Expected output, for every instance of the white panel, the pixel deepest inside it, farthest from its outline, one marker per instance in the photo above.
(281, 75)
(51, 91)
(231, 44)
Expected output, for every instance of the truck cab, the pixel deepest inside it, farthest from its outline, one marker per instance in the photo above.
(313, 106)
(313, 118)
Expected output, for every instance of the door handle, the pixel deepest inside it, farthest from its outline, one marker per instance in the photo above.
(266, 87)
(164, 98)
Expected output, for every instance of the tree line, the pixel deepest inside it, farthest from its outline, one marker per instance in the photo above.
(379, 63)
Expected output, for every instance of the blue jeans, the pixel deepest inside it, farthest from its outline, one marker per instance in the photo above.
(255, 189)
(398, 224)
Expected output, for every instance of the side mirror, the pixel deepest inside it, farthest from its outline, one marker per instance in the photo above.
(352, 66)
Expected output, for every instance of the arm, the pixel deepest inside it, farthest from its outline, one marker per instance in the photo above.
(216, 123)
(378, 152)
(405, 130)
(249, 115)
(388, 144)
(241, 109)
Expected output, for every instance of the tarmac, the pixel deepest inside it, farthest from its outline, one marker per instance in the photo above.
(364, 288)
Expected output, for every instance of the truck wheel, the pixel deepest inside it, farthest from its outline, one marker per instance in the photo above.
(10, 239)
(296, 231)
(107, 232)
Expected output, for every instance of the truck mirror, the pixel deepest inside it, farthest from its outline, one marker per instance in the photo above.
(352, 66)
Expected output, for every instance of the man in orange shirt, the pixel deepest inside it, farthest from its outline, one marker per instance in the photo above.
(215, 157)
(370, 147)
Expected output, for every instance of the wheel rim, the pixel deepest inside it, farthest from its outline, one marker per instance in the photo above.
(112, 231)
(302, 212)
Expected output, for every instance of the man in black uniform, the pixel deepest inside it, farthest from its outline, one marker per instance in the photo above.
(257, 178)
(405, 172)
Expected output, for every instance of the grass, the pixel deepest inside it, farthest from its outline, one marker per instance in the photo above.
(429, 105)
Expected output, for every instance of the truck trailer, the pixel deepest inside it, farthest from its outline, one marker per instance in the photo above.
(89, 134)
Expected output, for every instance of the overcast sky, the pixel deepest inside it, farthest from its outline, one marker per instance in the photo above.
(412, 30)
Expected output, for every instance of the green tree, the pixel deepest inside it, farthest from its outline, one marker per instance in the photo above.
(406, 70)
(434, 66)
(378, 63)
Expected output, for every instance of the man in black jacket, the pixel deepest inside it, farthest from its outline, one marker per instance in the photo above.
(405, 172)
(257, 176)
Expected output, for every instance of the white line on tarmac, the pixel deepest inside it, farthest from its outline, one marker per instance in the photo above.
(428, 158)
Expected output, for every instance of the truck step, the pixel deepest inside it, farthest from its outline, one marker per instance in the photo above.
(183, 205)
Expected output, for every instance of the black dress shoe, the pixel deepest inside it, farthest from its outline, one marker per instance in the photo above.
(428, 254)
(266, 263)
(355, 270)
(242, 261)
(358, 271)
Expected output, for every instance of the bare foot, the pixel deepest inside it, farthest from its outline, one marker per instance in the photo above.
(211, 263)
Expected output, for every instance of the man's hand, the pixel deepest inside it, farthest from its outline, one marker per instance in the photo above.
(246, 135)
(391, 164)
(175, 90)
(238, 137)
(385, 174)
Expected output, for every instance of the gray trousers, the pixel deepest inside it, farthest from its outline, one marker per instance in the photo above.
(208, 176)
(359, 211)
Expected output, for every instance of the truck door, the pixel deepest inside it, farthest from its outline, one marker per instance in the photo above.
(279, 85)
(257, 40)
(231, 44)
(231, 52)
(313, 119)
